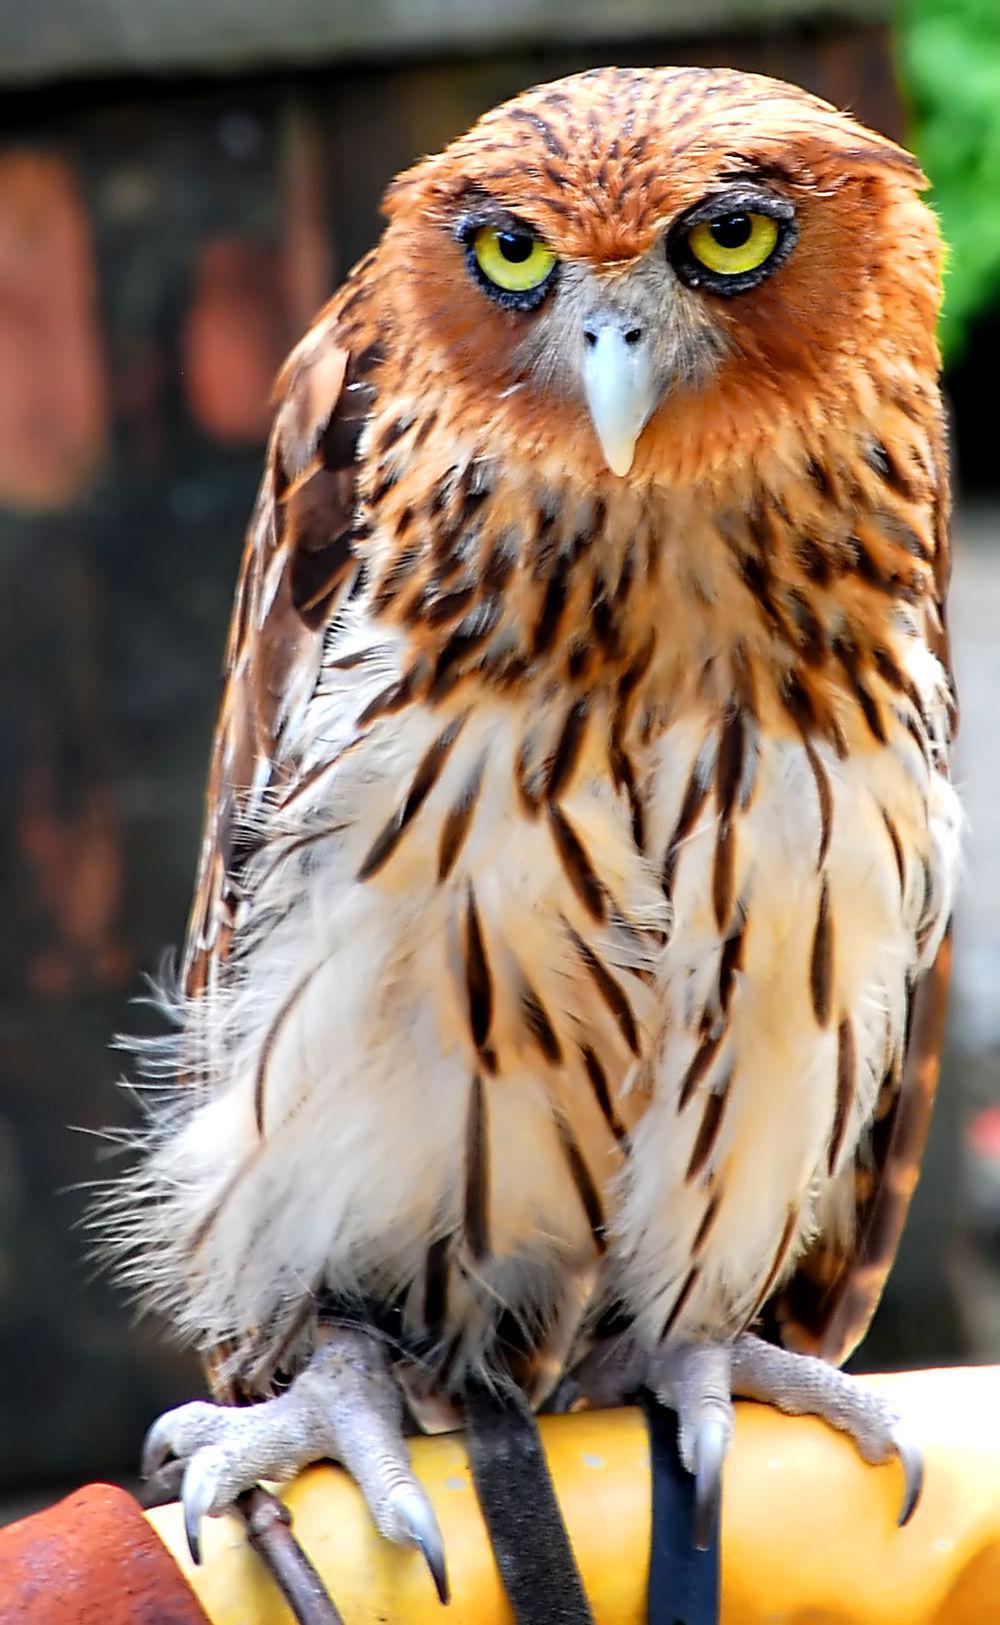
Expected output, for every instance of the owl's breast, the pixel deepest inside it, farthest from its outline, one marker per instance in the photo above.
(807, 888)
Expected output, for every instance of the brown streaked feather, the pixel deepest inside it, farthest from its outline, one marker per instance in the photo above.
(708, 1218)
(731, 959)
(729, 761)
(456, 824)
(724, 873)
(478, 978)
(576, 862)
(476, 1206)
(824, 796)
(424, 780)
(828, 1304)
(297, 559)
(297, 562)
(612, 993)
(624, 777)
(703, 1057)
(567, 751)
(436, 1284)
(777, 1262)
(539, 1025)
(271, 1038)
(821, 962)
(897, 850)
(583, 1181)
(602, 1093)
(695, 796)
(847, 1082)
(708, 1130)
(678, 1304)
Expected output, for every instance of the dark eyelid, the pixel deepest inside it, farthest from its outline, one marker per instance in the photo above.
(740, 197)
(497, 219)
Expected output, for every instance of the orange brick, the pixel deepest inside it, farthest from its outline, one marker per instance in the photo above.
(53, 394)
(92, 1559)
(234, 339)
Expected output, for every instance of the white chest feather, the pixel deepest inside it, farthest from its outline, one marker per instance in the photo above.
(459, 996)
(800, 920)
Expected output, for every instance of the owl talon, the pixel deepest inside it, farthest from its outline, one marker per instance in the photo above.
(344, 1406)
(194, 1511)
(802, 1385)
(416, 1516)
(698, 1380)
(913, 1474)
(156, 1449)
(164, 1485)
(164, 1443)
(710, 1453)
(199, 1493)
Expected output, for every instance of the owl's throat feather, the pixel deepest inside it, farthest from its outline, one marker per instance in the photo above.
(792, 589)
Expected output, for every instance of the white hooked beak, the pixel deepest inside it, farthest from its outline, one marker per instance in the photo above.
(618, 381)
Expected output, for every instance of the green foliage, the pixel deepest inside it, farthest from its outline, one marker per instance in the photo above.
(950, 60)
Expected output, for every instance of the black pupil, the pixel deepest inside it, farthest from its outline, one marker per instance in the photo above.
(515, 246)
(733, 231)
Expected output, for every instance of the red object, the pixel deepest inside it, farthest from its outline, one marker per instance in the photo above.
(984, 1133)
(234, 340)
(53, 393)
(92, 1559)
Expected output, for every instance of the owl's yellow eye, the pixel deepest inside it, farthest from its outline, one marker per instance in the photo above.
(734, 244)
(512, 260)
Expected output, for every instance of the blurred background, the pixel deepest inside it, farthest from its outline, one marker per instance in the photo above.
(182, 182)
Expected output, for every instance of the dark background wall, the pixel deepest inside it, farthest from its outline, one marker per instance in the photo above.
(163, 240)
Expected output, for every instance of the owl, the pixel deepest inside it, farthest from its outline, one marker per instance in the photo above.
(565, 977)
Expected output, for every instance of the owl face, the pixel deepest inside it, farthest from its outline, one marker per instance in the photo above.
(619, 335)
(611, 250)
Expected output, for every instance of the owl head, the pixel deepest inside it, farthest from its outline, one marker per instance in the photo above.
(643, 269)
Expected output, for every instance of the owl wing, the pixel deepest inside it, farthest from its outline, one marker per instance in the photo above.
(827, 1304)
(297, 561)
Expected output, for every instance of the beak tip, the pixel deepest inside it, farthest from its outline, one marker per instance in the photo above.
(618, 456)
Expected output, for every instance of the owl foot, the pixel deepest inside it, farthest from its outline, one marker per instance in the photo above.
(344, 1406)
(801, 1385)
(699, 1381)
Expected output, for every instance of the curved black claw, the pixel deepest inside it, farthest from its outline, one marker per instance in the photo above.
(156, 1450)
(163, 1486)
(709, 1454)
(421, 1528)
(197, 1495)
(913, 1476)
(192, 1531)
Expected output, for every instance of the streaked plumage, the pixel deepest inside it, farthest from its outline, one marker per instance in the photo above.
(579, 844)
